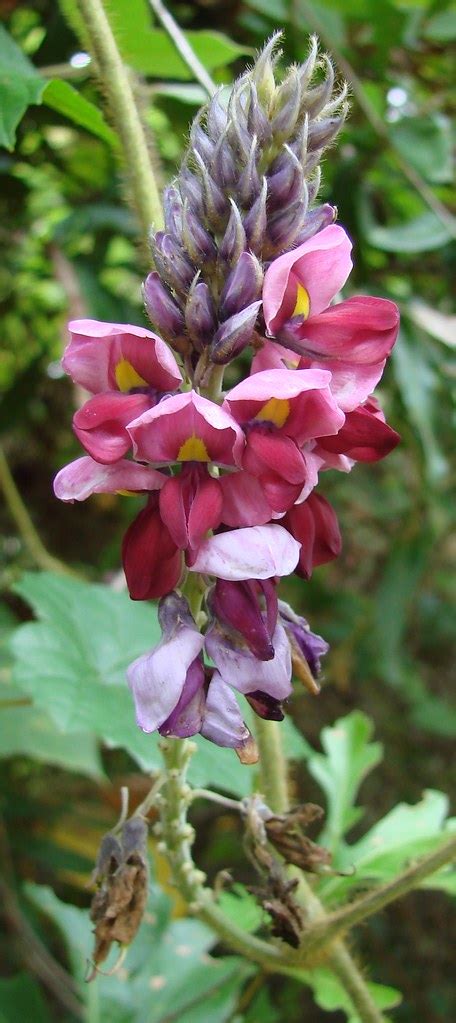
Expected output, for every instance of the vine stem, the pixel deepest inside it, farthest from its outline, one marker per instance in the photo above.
(20, 515)
(336, 923)
(125, 115)
(274, 780)
(183, 47)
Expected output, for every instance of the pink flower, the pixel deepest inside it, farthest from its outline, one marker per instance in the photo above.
(258, 552)
(191, 505)
(187, 428)
(351, 339)
(280, 411)
(364, 437)
(127, 369)
(314, 525)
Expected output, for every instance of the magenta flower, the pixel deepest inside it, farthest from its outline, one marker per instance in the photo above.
(264, 683)
(282, 410)
(364, 437)
(152, 561)
(314, 525)
(258, 552)
(187, 428)
(127, 369)
(250, 608)
(351, 339)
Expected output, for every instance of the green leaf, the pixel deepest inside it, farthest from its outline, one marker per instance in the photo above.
(21, 999)
(348, 758)
(394, 604)
(441, 27)
(170, 974)
(426, 142)
(242, 908)
(62, 97)
(404, 834)
(73, 663)
(418, 384)
(20, 85)
(27, 731)
(422, 234)
(331, 996)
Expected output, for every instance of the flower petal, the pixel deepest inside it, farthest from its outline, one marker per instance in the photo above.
(245, 672)
(83, 477)
(222, 720)
(321, 266)
(151, 560)
(100, 425)
(257, 552)
(187, 427)
(96, 350)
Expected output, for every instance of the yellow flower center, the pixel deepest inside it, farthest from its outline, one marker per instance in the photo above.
(275, 411)
(193, 450)
(127, 377)
(302, 307)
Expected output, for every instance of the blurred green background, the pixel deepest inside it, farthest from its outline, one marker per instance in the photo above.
(70, 248)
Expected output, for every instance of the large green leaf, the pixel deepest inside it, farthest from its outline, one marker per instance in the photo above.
(170, 974)
(20, 85)
(73, 662)
(62, 97)
(347, 759)
(423, 233)
(426, 142)
(404, 834)
(419, 386)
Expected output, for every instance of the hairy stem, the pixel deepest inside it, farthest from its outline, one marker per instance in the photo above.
(124, 114)
(26, 529)
(183, 47)
(273, 767)
(349, 916)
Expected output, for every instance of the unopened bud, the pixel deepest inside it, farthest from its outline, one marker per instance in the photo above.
(286, 107)
(258, 123)
(198, 242)
(315, 220)
(313, 100)
(161, 307)
(216, 118)
(263, 71)
(249, 184)
(200, 315)
(286, 180)
(223, 167)
(285, 225)
(200, 144)
(234, 335)
(215, 202)
(172, 209)
(256, 219)
(234, 241)
(172, 263)
(243, 285)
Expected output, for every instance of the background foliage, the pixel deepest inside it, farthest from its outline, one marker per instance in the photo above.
(67, 735)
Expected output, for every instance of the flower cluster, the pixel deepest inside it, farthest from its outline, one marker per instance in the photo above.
(230, 479)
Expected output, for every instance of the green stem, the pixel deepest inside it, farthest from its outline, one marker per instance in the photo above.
(336, 923)
(125, 115)
(273, 766)
(183, 47)
(25, 527)
(273, 775)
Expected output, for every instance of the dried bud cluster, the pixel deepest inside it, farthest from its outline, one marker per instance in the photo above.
(242, 197)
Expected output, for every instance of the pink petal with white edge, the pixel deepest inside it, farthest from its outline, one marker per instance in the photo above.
(80, 479)
(96, 349)
(274, 356)
(312, 411)
(160, 435)
(321, 265)
(257, 552)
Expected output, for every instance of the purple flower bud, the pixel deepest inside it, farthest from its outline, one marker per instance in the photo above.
(313, 186)
(256, 220)
(322, 132)
(223, 167)
(216, 118)
(286, 180)
(242, 287)
(257, 122)
(315, 220)
(237, 130)
(172, 208)
(198, 242)
(200, 315)
(307, 69)
(161, 307)
(215, 202)
(238, 606)
(187, 717)
(200, 143)
(234, 335)
(192, 191)
(285, 225)
(313, 100)
(171, 262)
(286, 106)
(249, 182)
(311, 646)
(234, 242)
(263, 71)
